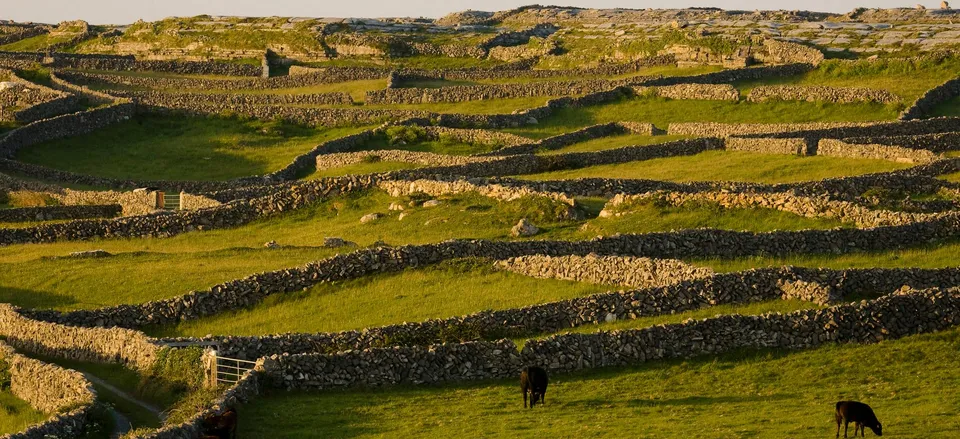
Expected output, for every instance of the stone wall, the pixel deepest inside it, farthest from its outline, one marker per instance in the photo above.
(925, 104)
(713, 92)
(63, 126)
(839, 148)
(606, 270)
(784, 52)
(395, 365)
(55, 175)
(936, 142)
(887, 318)
(194, 202)
(137, 202)
(323, 76)
(578, 136)
(821, 286)
(100, 345)
(46, 387)
(821, 93)
(463, 93)
(340, 159)
(733, 75)
(767, 145)
(863, 129)
(178, 99)
(28, 32)
(807, 206)
(129, 63)
(94, 97)
(64, 393)
(48, 213)
(505, 193)
(716, 129)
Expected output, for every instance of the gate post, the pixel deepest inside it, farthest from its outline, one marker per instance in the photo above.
(210, 367)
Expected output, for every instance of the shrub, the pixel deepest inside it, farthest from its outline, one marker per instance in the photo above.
(400, 135)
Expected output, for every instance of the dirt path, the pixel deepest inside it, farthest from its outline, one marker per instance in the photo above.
(121, 423)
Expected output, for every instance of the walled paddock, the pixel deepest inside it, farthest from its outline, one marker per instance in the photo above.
(578, 136)
(786, 283)
(925, 104)
(820, 93)
(890, 317)
(505, 193)
(326, 76)
(63, 393)
(464, 93)
(63, 126)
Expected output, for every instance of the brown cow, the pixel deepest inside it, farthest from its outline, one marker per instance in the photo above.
(223, 426)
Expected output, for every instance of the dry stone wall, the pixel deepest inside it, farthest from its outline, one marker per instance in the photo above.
(606, 270)
(137, 202)
(807, 206)
(325, 76)
(936, 142)
(925, 104)
(439, 188)
(820, 93)
(63, 126)
(578, 136)
(48, 213)
(768, 146)
(51, 389)
(177, 99)
(839, 148)
(783, 52)
(463, 93)
(337, 160)
(129, 63)
(709, 92)
(96, 344)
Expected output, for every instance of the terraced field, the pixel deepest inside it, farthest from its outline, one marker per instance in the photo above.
(377, 245)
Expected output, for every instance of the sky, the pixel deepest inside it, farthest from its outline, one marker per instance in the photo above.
(128, 11)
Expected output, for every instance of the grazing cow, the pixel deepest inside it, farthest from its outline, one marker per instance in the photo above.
(860, 414)
(223, 426)
(533, 379)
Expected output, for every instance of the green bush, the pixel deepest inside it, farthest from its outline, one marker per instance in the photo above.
(401, 135)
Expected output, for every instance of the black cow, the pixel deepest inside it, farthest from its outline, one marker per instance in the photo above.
(533, 380)
(860, 414)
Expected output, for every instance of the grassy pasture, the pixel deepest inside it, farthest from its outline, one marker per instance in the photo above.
(613, 142)
(730, 166)
(447, 289)
(36, 43)
(141, 270)
(907, 79)
(911, 383)
(16, 414)
(181, 148)
(662, 112)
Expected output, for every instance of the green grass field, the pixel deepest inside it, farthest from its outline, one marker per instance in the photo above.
(16, 414)
(730, 166)
(181, 148)
(37, 43)
(910, 383)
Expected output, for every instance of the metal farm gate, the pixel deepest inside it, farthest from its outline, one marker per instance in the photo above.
(171, 201)
(228, 371)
